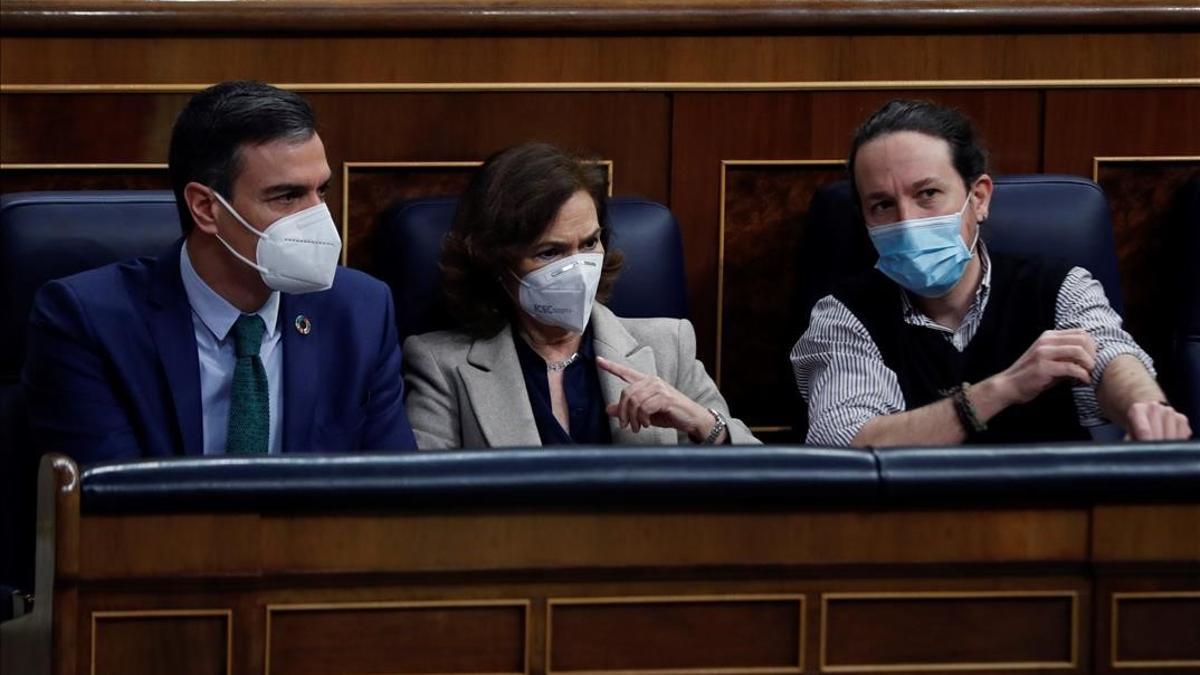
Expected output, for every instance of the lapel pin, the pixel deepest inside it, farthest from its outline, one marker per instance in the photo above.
(303, 325)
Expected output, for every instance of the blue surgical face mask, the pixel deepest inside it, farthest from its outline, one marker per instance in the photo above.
(925, 255)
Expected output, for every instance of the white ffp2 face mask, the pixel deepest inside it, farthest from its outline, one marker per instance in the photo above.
(297, 253)
(561, 293)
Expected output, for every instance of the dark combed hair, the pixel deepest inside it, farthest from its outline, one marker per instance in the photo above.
(509, 203)
(969, 156)
(211, 129)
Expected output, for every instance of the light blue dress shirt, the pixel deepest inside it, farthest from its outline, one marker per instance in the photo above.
(213, 318)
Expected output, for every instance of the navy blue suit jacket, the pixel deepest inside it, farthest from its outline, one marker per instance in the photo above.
(112, 370)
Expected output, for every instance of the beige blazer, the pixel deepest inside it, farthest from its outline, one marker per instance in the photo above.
(469, 393)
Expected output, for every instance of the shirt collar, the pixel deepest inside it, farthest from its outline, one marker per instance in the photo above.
(215, 312)
(914, 315)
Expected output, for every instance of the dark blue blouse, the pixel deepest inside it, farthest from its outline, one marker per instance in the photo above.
(581, 384)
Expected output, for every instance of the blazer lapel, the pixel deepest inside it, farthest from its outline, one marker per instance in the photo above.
(170, 322)
(614, 343)
(301, 372)
(496, 389)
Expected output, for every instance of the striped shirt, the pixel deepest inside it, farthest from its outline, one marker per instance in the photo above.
(840, 371)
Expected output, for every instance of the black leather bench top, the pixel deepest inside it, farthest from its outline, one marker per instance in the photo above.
(1088, 473)
(538, 478)
(656, 477)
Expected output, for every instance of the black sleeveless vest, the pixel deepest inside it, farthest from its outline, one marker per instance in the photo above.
(1020, 307)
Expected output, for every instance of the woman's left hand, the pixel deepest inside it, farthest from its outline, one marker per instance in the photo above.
(649, 401)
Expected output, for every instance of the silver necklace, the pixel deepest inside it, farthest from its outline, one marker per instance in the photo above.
(561, 365)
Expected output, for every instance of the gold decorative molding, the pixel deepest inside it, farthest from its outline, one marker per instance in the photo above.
(1114, 626)
(1073, 596)
(523, 605)
(650, 86)
(798, 598)
(1148, 159)
(227, 614)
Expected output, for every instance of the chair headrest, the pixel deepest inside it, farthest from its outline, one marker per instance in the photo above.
(652, 281)
(49, 235)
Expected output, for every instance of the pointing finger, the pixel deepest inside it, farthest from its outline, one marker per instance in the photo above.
(620, 370)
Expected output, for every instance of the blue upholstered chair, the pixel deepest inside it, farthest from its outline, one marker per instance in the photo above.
(44, 236)
(408, 248)
(1037, 215)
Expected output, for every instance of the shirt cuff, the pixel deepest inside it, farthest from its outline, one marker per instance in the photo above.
(1114, 349)
(839, 432)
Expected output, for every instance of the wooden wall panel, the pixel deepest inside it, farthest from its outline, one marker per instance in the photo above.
(397, 638)
(1157, 629)
(639, 634)
(331, 58)
(370, 190)
(21, 178)
(147, 643)
(1085, 124)
(87, 128)
(1147, 622)
(765, 210)
(909, 631)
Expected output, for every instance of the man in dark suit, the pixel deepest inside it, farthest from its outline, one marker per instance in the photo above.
(245, 337)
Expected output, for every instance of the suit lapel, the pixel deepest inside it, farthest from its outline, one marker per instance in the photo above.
(496, 388)
(614, 343)
(301, 371)
(170, 323)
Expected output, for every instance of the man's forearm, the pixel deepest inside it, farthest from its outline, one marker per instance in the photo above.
(1126, 381)
(936, 423)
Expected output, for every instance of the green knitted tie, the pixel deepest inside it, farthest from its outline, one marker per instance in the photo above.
(249, 412)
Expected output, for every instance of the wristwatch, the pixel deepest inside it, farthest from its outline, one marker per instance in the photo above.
(720, 426)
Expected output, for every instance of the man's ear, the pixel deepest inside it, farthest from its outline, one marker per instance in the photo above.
(982, 190)
(203, 207)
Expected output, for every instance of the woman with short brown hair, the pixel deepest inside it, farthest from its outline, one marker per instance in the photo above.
(538, 359)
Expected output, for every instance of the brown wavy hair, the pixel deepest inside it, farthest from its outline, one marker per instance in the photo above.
(510, 202)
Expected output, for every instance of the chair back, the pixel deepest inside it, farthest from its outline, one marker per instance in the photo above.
(45, 236)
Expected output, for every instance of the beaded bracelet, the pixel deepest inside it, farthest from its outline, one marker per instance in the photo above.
(967, 414)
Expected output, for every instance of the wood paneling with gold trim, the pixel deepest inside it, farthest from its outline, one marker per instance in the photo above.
(687, 634)
(469, 637)
(991, 630)
(1159, 630)
(183, 641)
